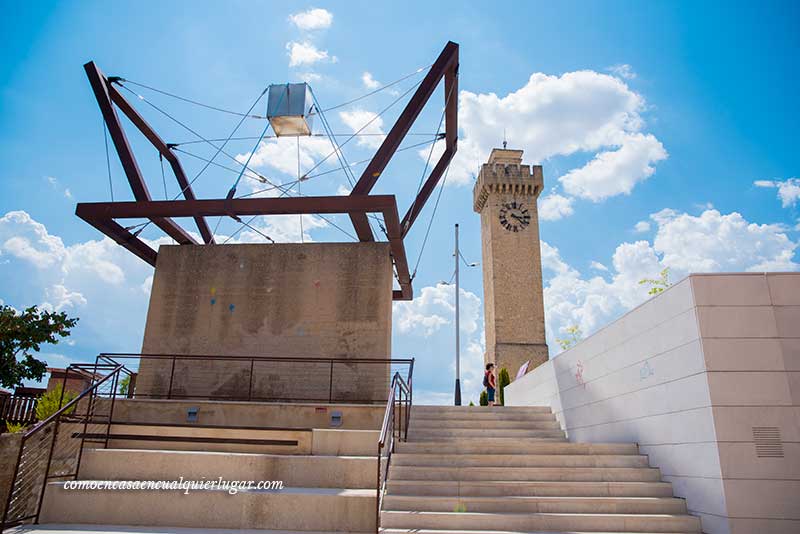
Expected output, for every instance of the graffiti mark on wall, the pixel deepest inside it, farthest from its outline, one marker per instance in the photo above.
(579, 374)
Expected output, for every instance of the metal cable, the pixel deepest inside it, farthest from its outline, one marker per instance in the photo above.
(379, 89)
(189, 100)
(430, 222)
(108, 160)
(367, 124)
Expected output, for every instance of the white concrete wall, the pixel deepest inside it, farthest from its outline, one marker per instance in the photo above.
(687, 375)
(750, 327)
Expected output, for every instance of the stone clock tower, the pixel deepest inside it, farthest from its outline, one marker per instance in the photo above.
(505, 196)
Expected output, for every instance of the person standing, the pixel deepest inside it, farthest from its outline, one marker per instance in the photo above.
(490, 381)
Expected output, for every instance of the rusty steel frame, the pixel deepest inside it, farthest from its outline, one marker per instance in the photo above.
(357, 205)
(107, 95)
(445, 66)
(101, 215)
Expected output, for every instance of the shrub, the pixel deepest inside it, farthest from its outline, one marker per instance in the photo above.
(484, 400)
(48, 404)
(503, 380)
(125, 385)
(15, 427)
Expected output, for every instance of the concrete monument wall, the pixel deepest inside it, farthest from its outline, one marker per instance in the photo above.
(706, 378)
(330, 300)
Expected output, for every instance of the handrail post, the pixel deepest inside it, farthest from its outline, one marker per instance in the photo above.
(132, 384)
(171, 376)
(63, 387)
(46, 469)
(250, 387)
(330, 385)
(110, 411)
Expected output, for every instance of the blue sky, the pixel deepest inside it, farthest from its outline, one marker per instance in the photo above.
(667, 132)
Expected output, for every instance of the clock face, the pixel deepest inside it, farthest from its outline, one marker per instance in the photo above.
(514, 216)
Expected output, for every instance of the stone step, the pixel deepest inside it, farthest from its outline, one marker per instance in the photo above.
(569, 474)
(483, 416)
(419, 423)
(317, 441)
(513, 446)
(525, 504)
(469, 410)
(60, 528)
(315, 509)
(294, 471)
(541, 521)
(464, 531)
(528, 488)
(482, 433)
(520, 460)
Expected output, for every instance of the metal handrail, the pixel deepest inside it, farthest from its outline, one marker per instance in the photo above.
(128, 355)
(393, 426)
(176, 385)
(20, 490)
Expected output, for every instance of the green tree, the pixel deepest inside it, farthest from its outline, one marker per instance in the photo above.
(574, 335)
(471, 403)
(503, 380)
(21, 335)
(659, 284)
(484, 400)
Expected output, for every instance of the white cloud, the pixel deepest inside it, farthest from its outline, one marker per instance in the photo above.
(434, 308)
(596, 265)
(709, 242)
(357, 119)
(281, 155)
(29, 240)
(554, 206)
(369, 82)
(715, 242)
(91, 279)
(423, 321)
(147, 285)
(309, 77)
(577, 112)
(55, 184)
(623, 70)
(788, 190)
(312, 19)
(641, 227)
(616, 172)
(281, 228)
(305, 53)
(59, 298)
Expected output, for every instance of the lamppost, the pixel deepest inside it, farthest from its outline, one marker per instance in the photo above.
(457, 255)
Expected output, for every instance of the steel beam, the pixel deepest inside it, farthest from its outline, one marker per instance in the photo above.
(445, 66)
(101, 215)
(100, 87)
(162, 147)
(427, 188)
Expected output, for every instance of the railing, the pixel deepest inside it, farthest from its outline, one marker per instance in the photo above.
(17, 409)
(52, 449)
(259, 378)
(394, 428)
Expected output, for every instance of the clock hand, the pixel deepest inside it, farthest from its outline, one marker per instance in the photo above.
(517, 217)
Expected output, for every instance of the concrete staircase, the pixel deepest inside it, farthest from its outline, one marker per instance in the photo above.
(510, 469)
(328, 481)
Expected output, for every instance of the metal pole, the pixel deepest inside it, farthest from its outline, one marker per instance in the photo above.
(458, 341)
